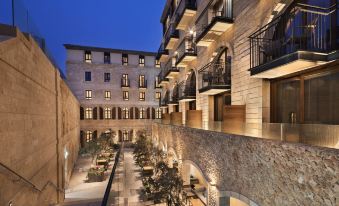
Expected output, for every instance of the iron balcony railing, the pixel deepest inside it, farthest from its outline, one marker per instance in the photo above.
(125, 83)
(216, 74)
(162, 77)
(165, 100)
(303, 28)
(162, 51)
(170, 67)
(222, 11)
(157, 84)
(187, 89)
(171, 32)
(175, 95)
(183, 5)
(187, 47)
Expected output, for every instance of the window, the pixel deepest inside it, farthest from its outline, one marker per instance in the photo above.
(158, 113)
(88, 56)
(108, 113)
(142, 82)
(107, 58)
(157, 63)
(125, 95)
(89, 136)
(124, 80)
(107, 77)
(158, 95)
(107, 95)
(125, 59)
(141, 60)
(88, 94)
(157, 85)
(125, 113)
(142, 96)
(88, 76)
(142, 113)
(88, 113)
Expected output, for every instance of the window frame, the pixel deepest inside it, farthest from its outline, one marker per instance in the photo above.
(90, 76)
(107, 58)
(88, 113)
(108, 95)
(124, 59)
(88, 56)
(142, 96)
(142, 61)
(107, 77)
(125, 113)
(88, 94)
(125, 95)
(157, 95)
(107, 113)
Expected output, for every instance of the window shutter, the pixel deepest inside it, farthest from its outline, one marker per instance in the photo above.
(95, 113)
(136, 113)
(82, 139)
(153, 113)
(131, 135)
(120, 136)
(101, 113)
(81, 113)
(114, 113)
(95, 134)
(131, 113)
(119, 113)
(148, 115)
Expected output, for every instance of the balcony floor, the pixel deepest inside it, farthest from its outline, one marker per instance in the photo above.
(292, 63)
(214, 89)
(186, 17)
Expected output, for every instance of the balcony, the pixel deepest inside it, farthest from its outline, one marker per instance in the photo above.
(214, 21)
(125, 83)
(162, 53)
(185, 12)
(301, 38)
(171, 71)
(163, 103)
(174, 100)
(162, 80)
(171, 37)
(142, 84)
(186, 52)
(216, 78)
(187, 89)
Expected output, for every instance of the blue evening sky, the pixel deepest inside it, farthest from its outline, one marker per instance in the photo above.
(120, 24)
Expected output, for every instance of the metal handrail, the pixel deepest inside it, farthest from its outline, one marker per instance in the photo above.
(33, 186)
(110, 181)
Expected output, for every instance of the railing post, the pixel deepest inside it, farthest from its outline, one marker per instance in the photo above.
(13, 14)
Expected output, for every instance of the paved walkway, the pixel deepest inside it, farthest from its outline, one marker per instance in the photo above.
(81, 193)
(127, 182)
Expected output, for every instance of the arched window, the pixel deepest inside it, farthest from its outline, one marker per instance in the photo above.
(158, 113)
(107, 113)
(125, 113)
(142, 114)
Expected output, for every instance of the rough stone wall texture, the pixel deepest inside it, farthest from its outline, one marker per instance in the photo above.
(37, 119)
(264, 171)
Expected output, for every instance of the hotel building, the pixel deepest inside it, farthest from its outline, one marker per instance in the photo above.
(117, 90)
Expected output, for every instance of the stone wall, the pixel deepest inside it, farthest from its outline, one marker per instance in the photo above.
(257, 171)
(39, 122)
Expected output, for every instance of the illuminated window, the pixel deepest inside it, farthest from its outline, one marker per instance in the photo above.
(88, 113)
(142, 96)
(142, 81)
(88, 56)
(157, 85)
(89, 136)
(157, 63)
(108, 113)
(125, 95)
(107, 95)
(158, 95)
(124, 80)
(107, 58)
(125, 113)
(88, 94)
(141, 60)
(125, 59)
(107, 77)
(88, 76)
(158, 113)
(142, 113)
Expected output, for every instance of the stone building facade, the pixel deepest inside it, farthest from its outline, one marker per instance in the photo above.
(250, 76)
(40, 125)
(120, 92)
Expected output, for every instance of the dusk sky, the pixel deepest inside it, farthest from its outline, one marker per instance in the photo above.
(127, 24)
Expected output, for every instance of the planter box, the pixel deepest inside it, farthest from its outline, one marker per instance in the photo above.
(95, 177)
